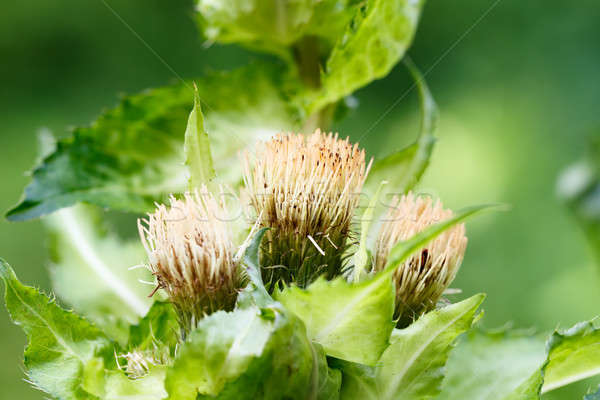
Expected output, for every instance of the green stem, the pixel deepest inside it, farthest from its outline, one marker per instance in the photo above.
(307, 56)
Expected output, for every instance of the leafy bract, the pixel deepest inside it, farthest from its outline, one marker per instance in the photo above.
(404, 168)
(376, 39)
(251, 353)
(90, 270)
(133, 155)
(352, 322)
(494, 366)
(361, 258)
(61, 344)
(197, 147)
(412, 366)
(573, 355)
(218, 351)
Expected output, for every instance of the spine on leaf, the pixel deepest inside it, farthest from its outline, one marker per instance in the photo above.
(306, 189)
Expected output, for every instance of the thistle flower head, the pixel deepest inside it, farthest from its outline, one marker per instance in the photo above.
(306, 189)
(191, 253)
(421, 279)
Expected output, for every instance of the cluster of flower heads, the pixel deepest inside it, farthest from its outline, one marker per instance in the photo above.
(306, 189)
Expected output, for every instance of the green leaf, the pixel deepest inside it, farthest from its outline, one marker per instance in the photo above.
(61, 343)
(412, 366)
(159, 326)
(256, 289)
(352, 322)
(267, 25)
(327, 382)
(115, 385)
(573, 355)
(494, 366)
(90, 270)
(404, 168)
(274, 26)
(375, 40)
(331, 18)
(197, 147)
(247, 354)
(218, 351)
(361, 257)
(133, 155)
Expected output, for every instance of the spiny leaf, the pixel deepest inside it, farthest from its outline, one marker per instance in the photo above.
(412, 366)
(376, 39)
(351, 321)
(133, 155)
(573, 355)
(494, 365)
(61, 343)
(251, 353)
(218, 351)
(197, 147)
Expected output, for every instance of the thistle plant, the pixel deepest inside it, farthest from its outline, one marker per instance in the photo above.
(306, 189)
(422, 278)
(274, 316)
(192, 256)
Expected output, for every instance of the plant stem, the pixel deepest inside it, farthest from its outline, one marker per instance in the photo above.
(307, 56)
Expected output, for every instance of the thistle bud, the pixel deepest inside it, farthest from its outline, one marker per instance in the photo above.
(191, 254)
(421, 279)
(306, 190)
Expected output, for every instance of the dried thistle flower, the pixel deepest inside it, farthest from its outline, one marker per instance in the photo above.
(421, 279)
(306, 189)
(192, 255)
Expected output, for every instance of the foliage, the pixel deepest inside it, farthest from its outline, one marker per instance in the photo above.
(334, 339)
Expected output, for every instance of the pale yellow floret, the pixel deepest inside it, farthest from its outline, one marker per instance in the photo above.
(191, 253)
(423, 277)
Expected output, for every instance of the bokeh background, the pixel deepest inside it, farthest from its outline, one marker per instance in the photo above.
(518, 90)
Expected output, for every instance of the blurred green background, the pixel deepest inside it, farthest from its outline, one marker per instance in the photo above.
(518, 94)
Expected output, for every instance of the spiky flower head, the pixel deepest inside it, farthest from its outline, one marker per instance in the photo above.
(421, 279)
(306, 189)
(192, 255)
